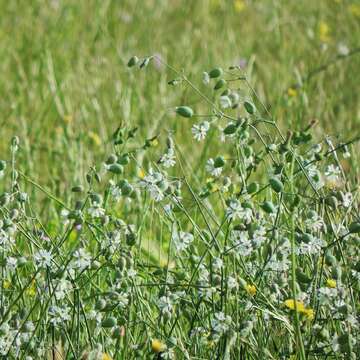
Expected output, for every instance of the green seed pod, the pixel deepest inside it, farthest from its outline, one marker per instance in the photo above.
(219, 162)
(116, 169)
(112, 159)
(330, 260)
(234, 97)
(306, 238)
(252, 188)
(226, 92)
(4, 199)
(95, 265)
(158, 272)
(22, 261)
(97, 177)
(276, 184)
(2, 165)
(354, 228)
(15, 142)
(108, 322)
(130, 239)
(302, 277)
(181, 275)
(126, 190)
(344, 309)
(230, 129)
(331, 201)
(118, 332)
(100, 304)
(247, 205)
(162, 185)
(133, 61)
(268, 207)
(122, 263)
(221, 83)
(324, 334)
(336, 273)
(124, 160)
(96, 198)
(77, 189)
(144, 63)
(249, 107)
(242, 282)
(217, 280)
(214, 73)
(248, 151)
(184, 111)
(14, 213)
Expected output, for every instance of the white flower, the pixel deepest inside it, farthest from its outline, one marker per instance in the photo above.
(232, 283)
(314, 223)
(326, 294)
(43, 258)
(332, 173)
(165, 304)
(115, 191)
(236, 211)
(242, 242)
(96, 211)
(214, 171)
(11, 263)
(62, 289)
(259, 236)
(312, 247)
(151, 183)
(347, 199)
(168, 354)
(225, 102)
(168, 159)
(206, 78)
(58, 315)
(95, 315)
(343, 49)
(199, 131)
(220, 323)
(217, 263)
(82, 259)
(182, 240)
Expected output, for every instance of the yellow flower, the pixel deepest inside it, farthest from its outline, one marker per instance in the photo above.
(239, 5)
(300, 308)
(141, 173)
(324, 32)
(354, 9)
(68, 119)
(106, 356)
(95, 138)
(31, 290)
(251, 289)
(292, 92)
(331, 283)
(309, 313)
(290, 303)
(6, 284)
(157, 346)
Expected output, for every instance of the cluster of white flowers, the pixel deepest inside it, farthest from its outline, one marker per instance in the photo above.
(236, 211)
(182, 240)
(155, 183)
(214, 171)
(200, 130)
(220, 323)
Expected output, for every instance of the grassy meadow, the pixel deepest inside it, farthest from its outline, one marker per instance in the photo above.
(179, 179)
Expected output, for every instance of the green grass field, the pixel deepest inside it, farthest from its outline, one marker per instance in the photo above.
(179, 179)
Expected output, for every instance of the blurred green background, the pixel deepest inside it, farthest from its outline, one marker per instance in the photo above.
(65, 86)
